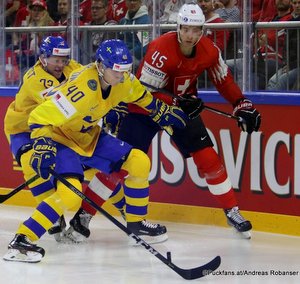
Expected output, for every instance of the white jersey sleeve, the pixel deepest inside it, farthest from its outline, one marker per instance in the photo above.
(153, 76)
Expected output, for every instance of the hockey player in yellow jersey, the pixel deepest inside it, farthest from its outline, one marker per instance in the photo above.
(66, 133)
(51, 69)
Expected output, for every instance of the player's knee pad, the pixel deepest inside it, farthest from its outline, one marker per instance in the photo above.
(138, 167)
(209, 164)
(68, 197)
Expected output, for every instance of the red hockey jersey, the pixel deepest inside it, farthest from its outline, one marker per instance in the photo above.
(165, 67)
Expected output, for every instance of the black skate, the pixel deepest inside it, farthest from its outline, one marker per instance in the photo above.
(236, 220)
(150, 233)
(58, 230)
(23, 250)
(79, 226)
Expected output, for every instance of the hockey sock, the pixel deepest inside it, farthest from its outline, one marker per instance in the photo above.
(101, 188)
(43, 217)
(219, 184)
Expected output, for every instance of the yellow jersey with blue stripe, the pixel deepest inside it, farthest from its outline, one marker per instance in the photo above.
(32, 90)
(72, 112)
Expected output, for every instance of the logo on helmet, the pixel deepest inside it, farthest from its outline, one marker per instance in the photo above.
(185, 19)
(61, 51)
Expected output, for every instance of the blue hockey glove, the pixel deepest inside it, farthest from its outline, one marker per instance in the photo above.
(166, 115)
(43, 157)
(114, 117)
(191, 105)
(251, 117)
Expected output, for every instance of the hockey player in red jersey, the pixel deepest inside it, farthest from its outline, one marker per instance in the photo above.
(176, 70)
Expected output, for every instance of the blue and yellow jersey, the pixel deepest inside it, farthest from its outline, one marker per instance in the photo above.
(72, 111)
(32, 90)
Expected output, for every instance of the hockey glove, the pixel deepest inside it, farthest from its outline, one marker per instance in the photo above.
(166, 116)
(43, 157)
(251, 117)
(191, 105)
(114, 117)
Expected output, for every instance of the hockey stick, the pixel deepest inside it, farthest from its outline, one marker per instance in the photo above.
(188, 274)
(19, 188)
(238, 118)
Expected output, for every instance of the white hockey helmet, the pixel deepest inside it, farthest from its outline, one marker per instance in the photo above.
(190, 15)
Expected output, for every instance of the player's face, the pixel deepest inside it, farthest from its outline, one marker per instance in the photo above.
(190, 35)
(113, 77)
(55, 65)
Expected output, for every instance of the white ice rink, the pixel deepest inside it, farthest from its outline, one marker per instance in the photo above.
(107, 258)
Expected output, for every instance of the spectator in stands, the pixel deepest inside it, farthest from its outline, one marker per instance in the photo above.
(22, 14)
(136, 41)
(268, 11)
(170, 10)
(268, 49)
(99, 12)
(228, 10)
(285, 78)
(64, 18)
(262, 10)
(63, 9)
(85, 11)
(52, 9)
(271, 44)
(116, 10)
(219, 37)
(12, 6)
(26, 45)
(256, 6)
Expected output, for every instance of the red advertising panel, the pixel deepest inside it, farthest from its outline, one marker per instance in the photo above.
(264, 167)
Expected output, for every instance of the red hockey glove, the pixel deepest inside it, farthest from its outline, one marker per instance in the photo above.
(251, 117)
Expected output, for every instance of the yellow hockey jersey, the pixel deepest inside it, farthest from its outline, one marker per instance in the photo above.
(72, 111)
(32, 90)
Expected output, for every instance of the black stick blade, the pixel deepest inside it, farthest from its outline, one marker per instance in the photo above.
(198, 272)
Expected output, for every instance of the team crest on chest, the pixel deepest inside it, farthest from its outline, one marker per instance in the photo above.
(92, 84)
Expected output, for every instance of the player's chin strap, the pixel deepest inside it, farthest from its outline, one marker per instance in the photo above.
(193, 273)
(43, 61)
(101, 71)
